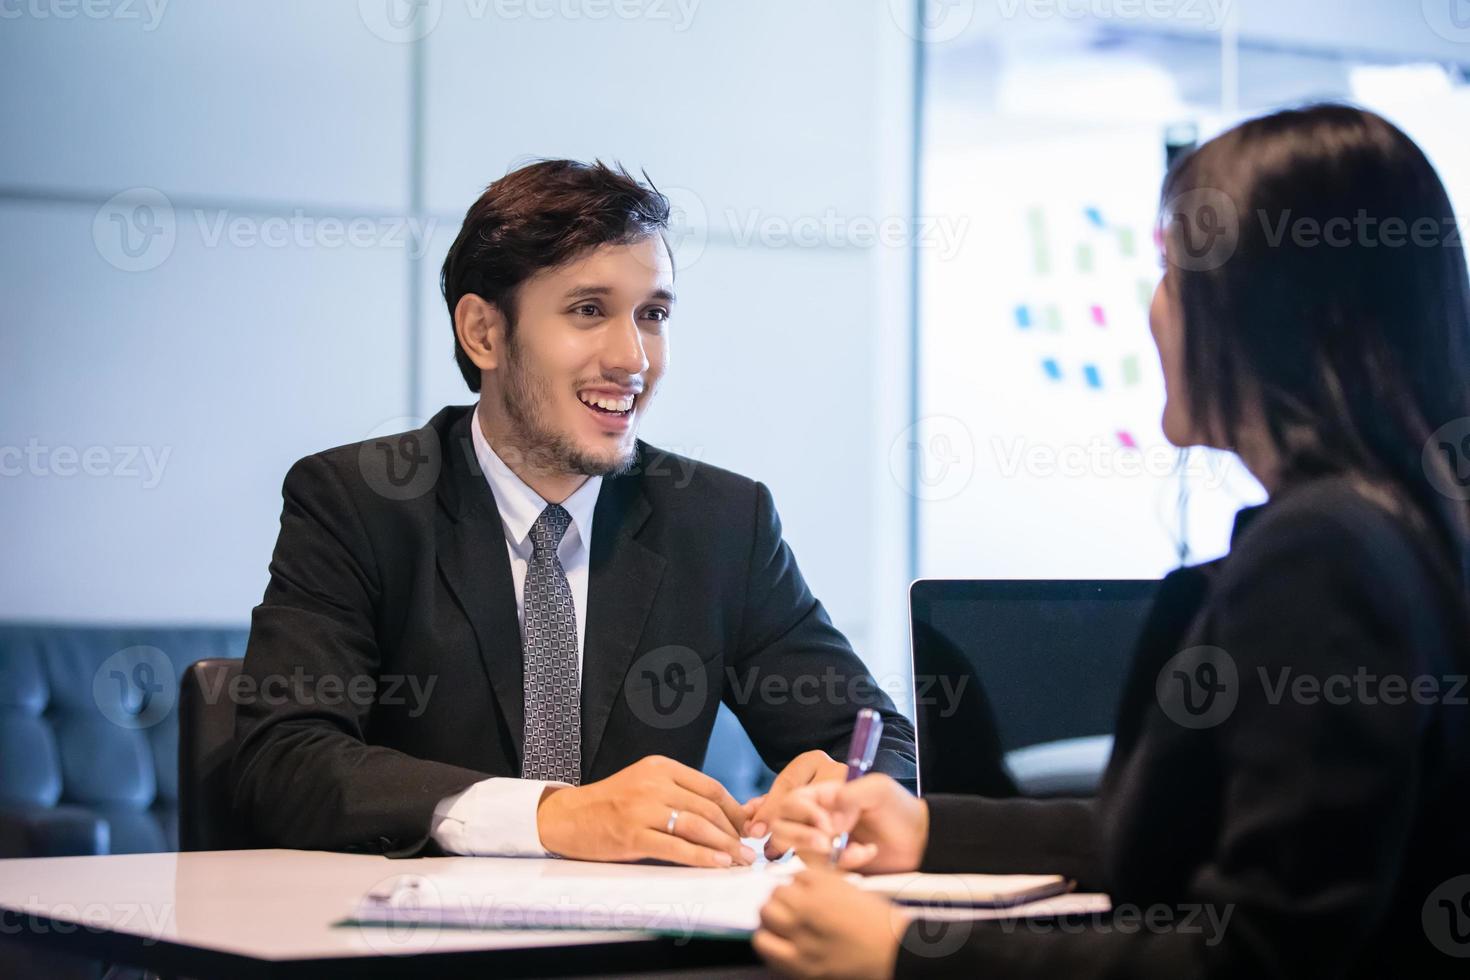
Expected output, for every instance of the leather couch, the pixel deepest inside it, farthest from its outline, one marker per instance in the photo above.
(89, 736)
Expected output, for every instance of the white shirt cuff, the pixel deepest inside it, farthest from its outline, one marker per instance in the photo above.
(493, 818)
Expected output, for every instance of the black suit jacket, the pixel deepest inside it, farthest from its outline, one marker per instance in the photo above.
(1322, 828)
(384, 668)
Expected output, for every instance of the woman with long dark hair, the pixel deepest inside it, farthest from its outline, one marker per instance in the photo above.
(1289, 794)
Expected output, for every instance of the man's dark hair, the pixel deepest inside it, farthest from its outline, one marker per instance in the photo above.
(538, 217)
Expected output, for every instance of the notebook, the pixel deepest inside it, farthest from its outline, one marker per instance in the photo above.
(968, 890)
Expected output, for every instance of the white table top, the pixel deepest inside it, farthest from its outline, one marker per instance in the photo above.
(281, 906)
(274, 905)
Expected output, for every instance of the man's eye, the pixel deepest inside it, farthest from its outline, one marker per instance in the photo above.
(588, 309)
(657, 313)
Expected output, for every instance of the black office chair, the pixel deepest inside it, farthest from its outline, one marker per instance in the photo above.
(206, 745)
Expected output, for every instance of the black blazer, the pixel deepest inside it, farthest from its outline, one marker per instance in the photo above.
(384, 665)
(1321, 823)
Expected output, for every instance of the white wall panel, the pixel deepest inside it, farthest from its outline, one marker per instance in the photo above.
(225, 362)
(756, 104)
(271, 100)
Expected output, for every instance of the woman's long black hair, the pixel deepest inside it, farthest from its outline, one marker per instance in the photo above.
(1322, 281)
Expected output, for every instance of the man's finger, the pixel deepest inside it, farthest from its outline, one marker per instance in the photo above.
(676, 850)
(709, 788)
(697, 830)
(796, 777)
(754, 825)
(798, 772)
(679, 798)
(759, 823)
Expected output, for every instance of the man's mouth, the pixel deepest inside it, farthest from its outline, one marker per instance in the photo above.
(610, 403)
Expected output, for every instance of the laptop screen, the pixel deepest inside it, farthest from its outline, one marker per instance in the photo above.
(1005, 665)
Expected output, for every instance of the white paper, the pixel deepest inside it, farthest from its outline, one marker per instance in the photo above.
(506, 894)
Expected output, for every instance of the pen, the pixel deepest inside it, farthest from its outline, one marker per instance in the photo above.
(866, 732)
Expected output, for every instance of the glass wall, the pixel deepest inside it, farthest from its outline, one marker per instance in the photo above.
(1047, 130)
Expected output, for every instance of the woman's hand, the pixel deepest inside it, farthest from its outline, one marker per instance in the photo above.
(820, 925)
(888, 826)
(806, 769)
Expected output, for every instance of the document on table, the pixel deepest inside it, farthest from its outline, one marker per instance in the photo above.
(508, 893)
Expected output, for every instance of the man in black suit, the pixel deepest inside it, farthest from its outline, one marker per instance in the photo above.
(509, 631)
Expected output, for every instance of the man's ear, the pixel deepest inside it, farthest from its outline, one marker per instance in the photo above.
(480, 326)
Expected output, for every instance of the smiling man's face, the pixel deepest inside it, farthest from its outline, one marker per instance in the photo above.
(584, 356)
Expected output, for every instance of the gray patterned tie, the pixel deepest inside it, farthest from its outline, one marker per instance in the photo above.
(553, 742)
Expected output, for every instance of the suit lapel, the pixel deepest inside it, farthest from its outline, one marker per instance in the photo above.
(622, 581)
(475, 564)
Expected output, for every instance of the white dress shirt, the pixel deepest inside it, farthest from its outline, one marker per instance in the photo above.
(497, 816)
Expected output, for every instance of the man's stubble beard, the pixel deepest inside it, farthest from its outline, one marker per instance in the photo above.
(523, 396)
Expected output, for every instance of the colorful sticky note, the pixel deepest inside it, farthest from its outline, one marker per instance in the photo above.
(1095, 216)
(1053, 318)
(1130, 369)
(1127, 245)
(1098, 316)
(1023, 317)
(1040, 253)
(1094, 378)
(1145, 293)
(1052, 368)
(1126, 440)
(1084, 258)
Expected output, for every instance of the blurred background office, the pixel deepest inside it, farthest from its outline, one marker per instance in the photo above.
(914, 246)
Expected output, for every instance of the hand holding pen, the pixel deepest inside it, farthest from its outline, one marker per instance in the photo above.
(887, 827)
(867, 731)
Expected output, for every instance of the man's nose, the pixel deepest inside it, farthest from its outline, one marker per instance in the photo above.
(624, 351)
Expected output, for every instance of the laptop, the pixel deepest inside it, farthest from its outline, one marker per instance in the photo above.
(1016, 682)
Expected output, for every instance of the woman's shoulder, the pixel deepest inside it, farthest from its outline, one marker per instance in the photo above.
(1336, 518)
(1366, 539)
